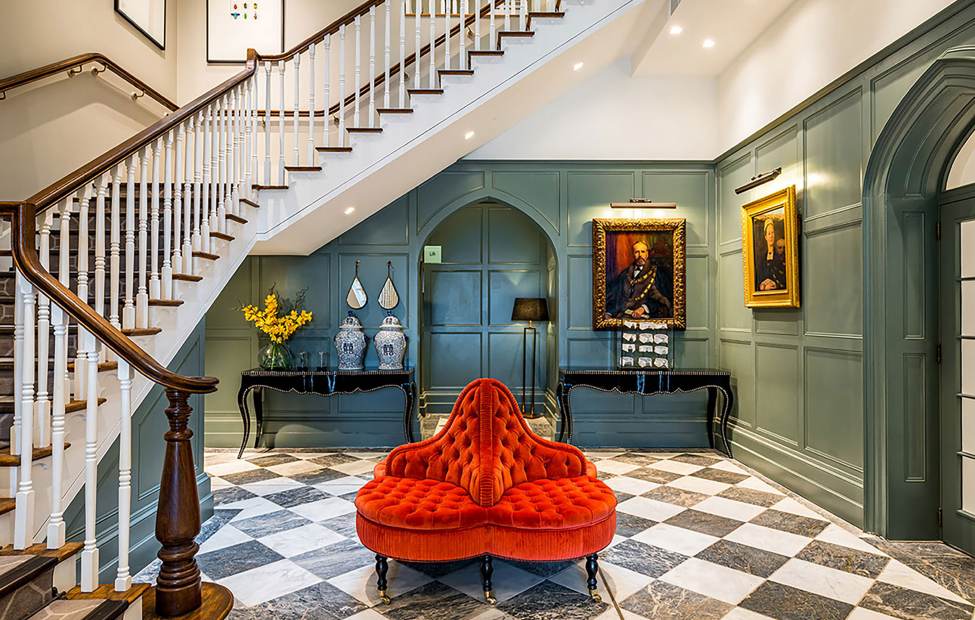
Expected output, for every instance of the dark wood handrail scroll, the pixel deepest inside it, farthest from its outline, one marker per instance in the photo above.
(70, 64)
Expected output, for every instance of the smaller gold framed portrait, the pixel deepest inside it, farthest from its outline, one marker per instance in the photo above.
(770, 250)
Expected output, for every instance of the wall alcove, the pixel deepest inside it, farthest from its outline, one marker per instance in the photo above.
(913, 468)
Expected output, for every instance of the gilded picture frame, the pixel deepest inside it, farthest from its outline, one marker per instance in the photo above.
(770, 250)
(638, 272)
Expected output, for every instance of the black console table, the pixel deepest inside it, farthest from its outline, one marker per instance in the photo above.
(323, 383)
(648, 382)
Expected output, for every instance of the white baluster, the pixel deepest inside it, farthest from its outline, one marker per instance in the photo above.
(220, 143)
(191, 199)
(267, 124)
(311, 105)
(326, 80)
(237, 153)
(417, 10)
(477, 26)
(19, 359)
(252, 123)
(128, 310)
(64, 276)
(446, 36)
(123, 581)
(204, 222)
(114, 251)
(167, 266)
(43, 406)
(296, 119)
(56, 527)
(199, 162)
(80, 386)
(507, 16)
(491, 27)
(155, 289)
(142, 296)
(386, 37)
(432, 65)
(100, 243)
(402, 55)
(281, 163)
(372, 66)
(215, 154)
(178, 210)
(462, 36)
(89, 556)
(342, 85)
(24, 517)
(356, 70)
(523, 15)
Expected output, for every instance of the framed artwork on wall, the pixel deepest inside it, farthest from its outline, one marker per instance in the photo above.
(233, 26)
(770, 250)
(638, 272)
(146, 16)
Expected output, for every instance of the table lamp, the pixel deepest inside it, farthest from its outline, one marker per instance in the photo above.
(529, 309)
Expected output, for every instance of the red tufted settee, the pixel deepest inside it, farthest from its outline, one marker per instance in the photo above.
(485, 486)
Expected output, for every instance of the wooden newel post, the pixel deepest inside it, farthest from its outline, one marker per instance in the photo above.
(178, 588)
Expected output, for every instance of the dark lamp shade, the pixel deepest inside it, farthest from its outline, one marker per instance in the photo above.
(530, 309)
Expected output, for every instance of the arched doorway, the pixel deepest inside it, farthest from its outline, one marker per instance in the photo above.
(919, 477)
(491, 253)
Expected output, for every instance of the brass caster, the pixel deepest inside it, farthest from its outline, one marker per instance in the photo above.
(489, 597)
(384, 597)
(595, 596)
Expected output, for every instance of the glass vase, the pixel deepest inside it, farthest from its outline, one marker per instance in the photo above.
(275, 356)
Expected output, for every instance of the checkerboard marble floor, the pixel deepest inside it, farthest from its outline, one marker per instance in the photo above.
(699, 536)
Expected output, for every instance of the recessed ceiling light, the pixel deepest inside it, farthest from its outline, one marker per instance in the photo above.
(349, 210)
(468, 135)
(676, 30)
(707, 44)
(578, 66)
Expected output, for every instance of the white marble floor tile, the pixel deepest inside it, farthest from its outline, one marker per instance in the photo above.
(649, 508)
(252, 507)
(218, 483)
(757, 484)
(508, 581)
(307, 456)
(294, 467)
(231, 467)
(355, 467)
(619, 468)
(838, 536)
(341, 486)
(729, 466)
(271, 485)
(792, 506)
(730, 508)
(740, 613)
(367, 614)
(622, 581)
(822, 580)
(324, 509)
(720, 582)
(633, 486)
(226, 536)
(593, 455)
(769, 539)
(861, 613)
(687, 542)
(699, 485)
(610, 614)
(271, 581)
(676, 467)
(361, 583)
(296, 541)
(901, 575)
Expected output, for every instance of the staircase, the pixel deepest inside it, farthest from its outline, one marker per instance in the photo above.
(111, 268)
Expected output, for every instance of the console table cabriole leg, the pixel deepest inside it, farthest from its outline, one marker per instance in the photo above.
(487, 570)
(382, 567)
(245, 417)
(712, 414)
(259, 414)
(729, 403)
(592, 567)
(409, 391)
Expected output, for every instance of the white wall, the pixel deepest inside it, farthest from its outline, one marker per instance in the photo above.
(612, 115)
(810, 45)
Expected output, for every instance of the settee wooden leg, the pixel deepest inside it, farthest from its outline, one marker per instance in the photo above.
(487, 569)
(382, 566)
(591, 568)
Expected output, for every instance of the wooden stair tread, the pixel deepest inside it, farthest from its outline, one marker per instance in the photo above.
(394, 111)
(364, 129)
(248, 201)
(166, 303)
(79, 405)
(186, 277)
(219, 235)
(142, 331)
(60, 554)
(455, 71)
(206, 255)
(424, 91)
(485, 52)
(107, 592)
(302, 169)
(7, 505)
(102, 366)
(13, 460)
(260, 187)
(217, 603)
(236, 218)
(334, 149)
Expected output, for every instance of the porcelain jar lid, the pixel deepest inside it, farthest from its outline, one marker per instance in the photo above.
(351, 322)
(391, 323)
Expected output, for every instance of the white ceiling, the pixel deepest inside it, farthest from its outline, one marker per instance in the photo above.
(732, 24)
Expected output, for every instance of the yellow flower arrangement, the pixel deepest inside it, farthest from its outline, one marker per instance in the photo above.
(277, 328)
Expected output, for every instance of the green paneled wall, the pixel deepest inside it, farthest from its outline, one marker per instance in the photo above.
(561, 199)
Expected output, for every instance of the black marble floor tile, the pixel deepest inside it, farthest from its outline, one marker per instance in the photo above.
(334, 459)
(229, 495)
(663, 601)
(439, 569)
(320, 601)
(910, 605)
(792, 523)
(343, 524)
(270, 523)
(341, 557)
(720, 475)
(542, 569)
(844, 558)
(630, 525)
(252, 475)
(654, 475)
(642, 558)
(272, 459)
(350, 496)
(637, 458)
(324, 474)
(621, 496)
(697, 459)
(433, 601)
(296, 496)
(937, 561)
(704, 522)
(743, 558)
(219, 519)
(550, 601)
(787, 603)
(751, 496)
(678, 497)
(236, 559)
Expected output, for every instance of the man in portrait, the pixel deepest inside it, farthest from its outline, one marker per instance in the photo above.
(644, 289)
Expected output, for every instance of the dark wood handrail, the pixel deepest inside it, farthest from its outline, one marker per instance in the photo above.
(28, 77)
(23, 221)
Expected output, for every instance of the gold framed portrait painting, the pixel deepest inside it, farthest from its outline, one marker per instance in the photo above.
(770, 250)
(638, 272)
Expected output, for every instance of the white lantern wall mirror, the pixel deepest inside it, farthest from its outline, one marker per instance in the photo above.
(356, 298)
(388, 296)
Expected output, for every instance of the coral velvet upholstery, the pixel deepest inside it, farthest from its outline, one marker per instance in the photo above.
(486, 484)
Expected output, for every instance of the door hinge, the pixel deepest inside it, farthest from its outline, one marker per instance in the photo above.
(941, 518)
(937, 354)
(937, 231)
